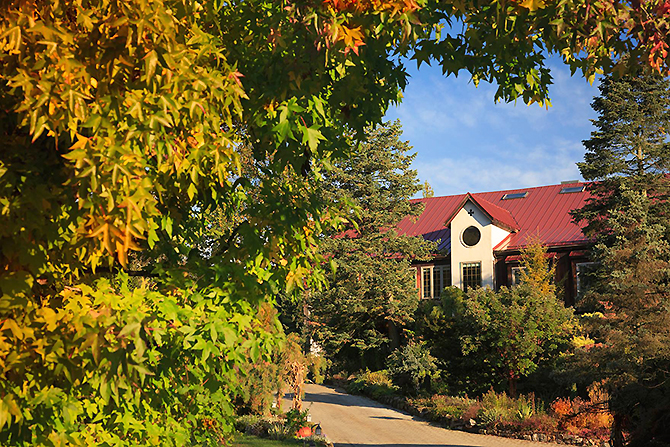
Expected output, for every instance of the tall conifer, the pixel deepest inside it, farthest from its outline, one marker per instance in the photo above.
(373, 291)
(628, 159)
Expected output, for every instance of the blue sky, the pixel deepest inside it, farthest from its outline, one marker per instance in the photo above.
(466, 142)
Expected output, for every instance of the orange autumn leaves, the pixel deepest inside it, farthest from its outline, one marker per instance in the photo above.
(392, 7)
(353, 36)
(654, 30)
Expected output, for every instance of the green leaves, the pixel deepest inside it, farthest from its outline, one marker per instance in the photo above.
(311, 136)
(105, 348)
(184, 141)
(9, 410)
(513, 331)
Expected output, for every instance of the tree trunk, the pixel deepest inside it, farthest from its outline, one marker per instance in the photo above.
(512, 386)
(617, 431)
(394, 336)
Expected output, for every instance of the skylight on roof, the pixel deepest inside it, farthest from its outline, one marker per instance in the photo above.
(572, 189)
(515, 195)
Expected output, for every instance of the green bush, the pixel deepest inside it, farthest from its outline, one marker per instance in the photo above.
(513, 331)
(273, 427)
(412, 366)
(441, 325)
(496, 408)
(375, 384)
(499, 408)
(317, 365)
(111, 364)
(445, 407)
(261, 378)
(295, 420)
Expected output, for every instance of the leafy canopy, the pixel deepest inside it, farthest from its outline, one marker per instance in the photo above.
(122, 125)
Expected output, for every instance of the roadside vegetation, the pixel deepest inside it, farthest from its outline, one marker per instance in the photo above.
(242, 440)
(291, 427)
(581, 421)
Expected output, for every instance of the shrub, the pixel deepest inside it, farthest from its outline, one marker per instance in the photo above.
(260, 379)
(513, 331)
(520, 414)
(317, 365)
(295, 420)
(586, 418)
(279, 428)
(539, 423)
(412, 365)
(257, 425)
(497, 408)
(446, 407)
(375, 384)
(526, 407)
(280, 431)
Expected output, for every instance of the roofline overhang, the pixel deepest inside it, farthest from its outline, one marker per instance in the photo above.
(494, 221)
(560, 245)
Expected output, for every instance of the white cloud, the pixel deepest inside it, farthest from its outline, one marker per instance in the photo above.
(466, 142)
(500, 170)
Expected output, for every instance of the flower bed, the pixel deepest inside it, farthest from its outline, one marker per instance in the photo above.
(565, 421)
(281, 428)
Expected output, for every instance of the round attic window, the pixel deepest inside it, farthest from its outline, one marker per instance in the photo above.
(471, 236)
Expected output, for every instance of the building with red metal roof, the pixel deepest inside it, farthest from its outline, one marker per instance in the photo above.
(479, 236)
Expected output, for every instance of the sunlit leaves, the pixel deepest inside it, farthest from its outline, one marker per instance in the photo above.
(109, 343)
(134, 93)
(122, 127)
(533, 5)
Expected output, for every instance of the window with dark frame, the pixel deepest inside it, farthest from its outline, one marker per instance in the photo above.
(441, 279)
(433, 279)
(472, 275)
(426, 284)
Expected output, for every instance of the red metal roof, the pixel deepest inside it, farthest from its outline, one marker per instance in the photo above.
(544, 212)
(499, 216)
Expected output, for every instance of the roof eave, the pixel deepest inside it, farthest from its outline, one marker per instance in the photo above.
(482, 208)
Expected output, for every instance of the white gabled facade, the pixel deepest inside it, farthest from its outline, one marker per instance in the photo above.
(464, 257)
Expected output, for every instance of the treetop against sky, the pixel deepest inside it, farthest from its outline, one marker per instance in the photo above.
(465, 141)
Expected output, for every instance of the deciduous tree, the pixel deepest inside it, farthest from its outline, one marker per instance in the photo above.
(121, 126)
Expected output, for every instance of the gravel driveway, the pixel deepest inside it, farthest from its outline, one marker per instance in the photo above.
(349, 420)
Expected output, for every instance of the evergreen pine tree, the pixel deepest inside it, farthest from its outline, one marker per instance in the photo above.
(627, 159)
(373, 291)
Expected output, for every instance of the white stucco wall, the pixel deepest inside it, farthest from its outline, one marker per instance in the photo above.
(497, 236)
(481, 252)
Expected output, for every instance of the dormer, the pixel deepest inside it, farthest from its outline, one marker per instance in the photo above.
(476, 227)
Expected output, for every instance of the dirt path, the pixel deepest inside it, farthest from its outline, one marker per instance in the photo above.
(356, 421)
